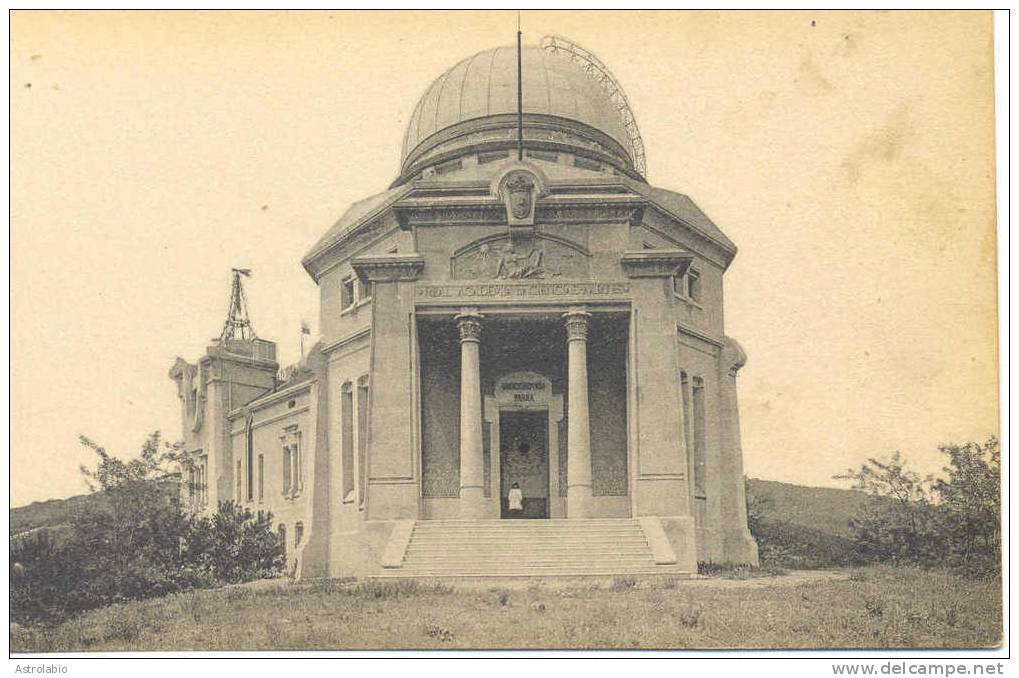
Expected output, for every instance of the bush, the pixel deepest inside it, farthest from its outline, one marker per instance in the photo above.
(232, 546)
(954, 521)
(135, 541)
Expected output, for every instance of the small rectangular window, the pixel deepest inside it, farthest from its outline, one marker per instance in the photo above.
(261, 477)
(451, 166)
(491, 156)
(693, 285)
(699, 442)
(586, 163)
(362, 438)
(679, 285)
(347, 292)
(543, 155)
(286, 470)
(298, 534)
(347, 441)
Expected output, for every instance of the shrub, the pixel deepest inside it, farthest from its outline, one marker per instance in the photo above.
(954, 521)
(233, 545)
(134, 541)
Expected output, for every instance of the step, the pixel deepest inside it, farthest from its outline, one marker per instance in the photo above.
(531, 572)
(521, 541)
(573, 534)
(592, 552)
(510, 522)
(474, 558)
(529, 528)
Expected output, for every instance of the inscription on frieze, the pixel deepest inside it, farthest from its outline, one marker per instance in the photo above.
(520, 290)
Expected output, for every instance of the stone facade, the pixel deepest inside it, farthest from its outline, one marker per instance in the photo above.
(544, 317)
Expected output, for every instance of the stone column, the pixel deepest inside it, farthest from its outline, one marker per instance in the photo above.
(578, 440)
(472, 462)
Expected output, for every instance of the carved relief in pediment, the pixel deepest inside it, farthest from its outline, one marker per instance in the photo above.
(504, 258)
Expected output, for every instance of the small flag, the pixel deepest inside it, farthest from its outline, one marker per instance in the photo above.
(304, 328)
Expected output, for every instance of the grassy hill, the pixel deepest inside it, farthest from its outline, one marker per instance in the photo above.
(818, 508)
(826, 509)
(801, 527)
(805, 527)
(58, 513)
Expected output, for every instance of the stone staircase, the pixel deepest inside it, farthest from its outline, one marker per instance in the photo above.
(526, 548)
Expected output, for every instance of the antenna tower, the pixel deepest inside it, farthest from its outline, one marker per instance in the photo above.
(559, 45)
(238, 325)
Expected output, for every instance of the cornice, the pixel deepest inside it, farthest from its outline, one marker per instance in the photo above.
(655, 263)
(388, 267)
(350, 338)
(272, 398)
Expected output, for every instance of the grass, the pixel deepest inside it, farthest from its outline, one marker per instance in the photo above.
(874, 607)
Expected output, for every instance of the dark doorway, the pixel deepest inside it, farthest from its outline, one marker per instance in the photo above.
(523, 459)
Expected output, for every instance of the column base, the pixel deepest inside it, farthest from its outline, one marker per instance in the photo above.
(578, 501)
(472, 503)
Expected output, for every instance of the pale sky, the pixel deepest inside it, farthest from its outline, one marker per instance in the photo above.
(848, 155)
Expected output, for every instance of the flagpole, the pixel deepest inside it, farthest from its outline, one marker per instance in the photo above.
(520, 92)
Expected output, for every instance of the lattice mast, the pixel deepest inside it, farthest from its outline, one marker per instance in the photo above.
(593, 65)
(238, 324)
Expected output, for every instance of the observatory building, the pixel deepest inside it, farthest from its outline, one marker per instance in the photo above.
(522, 366)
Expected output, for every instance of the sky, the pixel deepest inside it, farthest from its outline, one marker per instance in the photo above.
(848, 154)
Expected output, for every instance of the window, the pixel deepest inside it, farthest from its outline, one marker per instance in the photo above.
(347, 293)
(684, 387)
(286, 470)
(347, 441)
(249, 460)
(699, 451)
(364, 292)
(693, 285)
(201, 482)
(491, 156)
(292, 481)
(362, 436)
(282, 531)
(261, 477)
(298, 534)
(543, 155)
(688, 286)
(451, 166)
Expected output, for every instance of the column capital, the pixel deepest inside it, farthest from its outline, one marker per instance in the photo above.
(468, 322)
(576, 320)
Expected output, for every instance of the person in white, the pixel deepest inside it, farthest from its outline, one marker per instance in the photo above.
(515, 499)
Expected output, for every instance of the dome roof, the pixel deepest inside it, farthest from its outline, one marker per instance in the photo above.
(485, 85)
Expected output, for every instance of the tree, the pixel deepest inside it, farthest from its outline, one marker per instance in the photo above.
(970, 495)
(896, 525)
(952, 521)
(234, 545)
(135, 541)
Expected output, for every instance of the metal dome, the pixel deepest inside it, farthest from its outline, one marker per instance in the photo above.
(555, 83)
